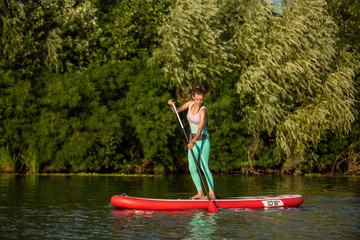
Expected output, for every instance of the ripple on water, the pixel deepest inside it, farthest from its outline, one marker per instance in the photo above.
(78, 207)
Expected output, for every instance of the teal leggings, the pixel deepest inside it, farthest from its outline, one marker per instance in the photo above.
(201, 147)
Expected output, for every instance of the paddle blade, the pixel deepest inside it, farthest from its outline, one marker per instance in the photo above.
(212, 207)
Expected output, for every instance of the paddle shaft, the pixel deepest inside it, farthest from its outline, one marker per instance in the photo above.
(192, 152)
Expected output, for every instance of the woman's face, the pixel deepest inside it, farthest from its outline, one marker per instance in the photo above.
(198, 99)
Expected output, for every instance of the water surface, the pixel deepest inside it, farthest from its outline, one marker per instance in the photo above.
(78, 207)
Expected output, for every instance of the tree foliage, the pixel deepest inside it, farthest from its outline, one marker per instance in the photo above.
(77, 92)
(48, 35)
(346, 150)
(11, 15)
(295, 85)
(129, 28)
(191, 48)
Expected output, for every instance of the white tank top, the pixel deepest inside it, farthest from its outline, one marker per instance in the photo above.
(194, 120)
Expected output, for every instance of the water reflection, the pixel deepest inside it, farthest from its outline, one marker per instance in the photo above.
(191, 224)
(202, 225)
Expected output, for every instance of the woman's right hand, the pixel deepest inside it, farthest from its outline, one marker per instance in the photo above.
(171, 102)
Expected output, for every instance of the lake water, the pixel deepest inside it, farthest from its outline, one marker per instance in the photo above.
(78, 207)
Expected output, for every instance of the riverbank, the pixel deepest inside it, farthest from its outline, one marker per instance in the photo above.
(272, 173)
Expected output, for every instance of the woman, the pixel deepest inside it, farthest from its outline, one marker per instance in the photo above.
(199, 140)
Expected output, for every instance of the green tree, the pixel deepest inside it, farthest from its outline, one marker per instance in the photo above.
(76, 131)
(39, 45)
(191, 49)
(76, 24)
(295, 86)
(343, 153)
(48, 35)
(151, 119)
(129, 28)
(347, 17)
(11, 16)
(17, 104)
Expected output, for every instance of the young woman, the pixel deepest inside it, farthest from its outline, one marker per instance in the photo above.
(199, 140)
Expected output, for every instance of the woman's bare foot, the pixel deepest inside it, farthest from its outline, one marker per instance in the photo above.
(199, 195)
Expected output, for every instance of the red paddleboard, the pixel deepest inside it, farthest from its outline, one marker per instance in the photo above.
(123, 201)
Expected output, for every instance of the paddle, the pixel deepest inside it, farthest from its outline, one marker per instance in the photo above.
(212, 207)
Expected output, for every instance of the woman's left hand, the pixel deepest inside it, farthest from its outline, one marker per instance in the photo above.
(190, 145)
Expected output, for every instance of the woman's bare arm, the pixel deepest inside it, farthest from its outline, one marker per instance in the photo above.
(182, 107)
